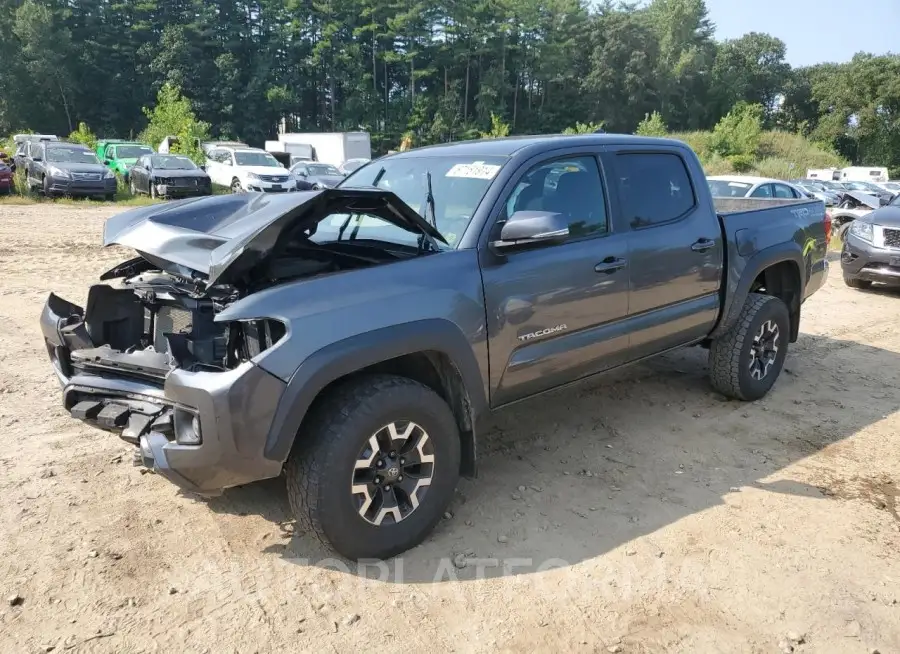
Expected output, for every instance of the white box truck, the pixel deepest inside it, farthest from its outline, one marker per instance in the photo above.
(328, 147)
(864, 174)
(290, 153)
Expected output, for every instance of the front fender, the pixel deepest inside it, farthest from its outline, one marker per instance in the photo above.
(357, 352)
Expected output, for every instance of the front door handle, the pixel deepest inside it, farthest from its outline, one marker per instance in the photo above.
(703, 245)
(609, 265)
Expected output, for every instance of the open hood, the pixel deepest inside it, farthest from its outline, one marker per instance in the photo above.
(223, 237)
(865, 199)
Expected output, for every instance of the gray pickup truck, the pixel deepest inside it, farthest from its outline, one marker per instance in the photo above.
(353, 338)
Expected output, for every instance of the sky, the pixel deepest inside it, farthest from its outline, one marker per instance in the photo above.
(814, 31)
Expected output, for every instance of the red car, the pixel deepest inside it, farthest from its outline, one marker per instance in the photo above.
(6, 178)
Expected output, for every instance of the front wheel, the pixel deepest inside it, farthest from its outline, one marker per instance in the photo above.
(376, 467)
(131, 187)
(236, 186)
(152, 187)
(745, 362)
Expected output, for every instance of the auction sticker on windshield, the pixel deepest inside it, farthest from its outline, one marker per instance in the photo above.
(474, 170)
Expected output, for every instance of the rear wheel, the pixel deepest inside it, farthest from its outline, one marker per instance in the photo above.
(745, 362)
(853, 282)
(376, 468)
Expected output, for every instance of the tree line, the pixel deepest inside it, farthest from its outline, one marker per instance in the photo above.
(426, 70)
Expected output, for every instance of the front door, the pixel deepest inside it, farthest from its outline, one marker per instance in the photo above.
(676, 249)
(554, 313)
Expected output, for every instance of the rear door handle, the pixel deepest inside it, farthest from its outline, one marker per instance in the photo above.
(703, 245)
(609, 265)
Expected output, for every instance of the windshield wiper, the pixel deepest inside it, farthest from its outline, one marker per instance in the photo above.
(378, 177)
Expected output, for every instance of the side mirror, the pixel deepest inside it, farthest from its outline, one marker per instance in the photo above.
(526, 229)
(107, 161)
(203, 168)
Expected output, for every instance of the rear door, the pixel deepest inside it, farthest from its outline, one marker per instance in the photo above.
(675, 248)
(215, 168)
(554, 313)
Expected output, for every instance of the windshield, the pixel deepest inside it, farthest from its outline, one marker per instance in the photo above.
(458, 185)
(172, 163)
(256, 159)
(132, 151)
(893, 186)
(863, 186)
(895, 202)
(720, 188)
(71, 155)
(322, 169)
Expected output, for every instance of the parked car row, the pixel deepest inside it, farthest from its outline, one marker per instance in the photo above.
(57, 167)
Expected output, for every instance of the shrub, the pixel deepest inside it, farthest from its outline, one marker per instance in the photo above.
(84, 135)
(174, 115)
(499, 129)
(652, 125)
(741, 163)
(738, 133)
(583, 128)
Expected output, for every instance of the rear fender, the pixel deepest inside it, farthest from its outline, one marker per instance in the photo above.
(743, 272)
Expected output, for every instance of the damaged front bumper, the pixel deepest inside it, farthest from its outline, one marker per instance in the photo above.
(204, 431)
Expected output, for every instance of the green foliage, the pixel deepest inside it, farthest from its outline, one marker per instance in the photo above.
(174, 115)
(583, 128)
(439, 70)
(498, 129)
(738, 133)
(84, 135)
(780, 155)
(652, 125)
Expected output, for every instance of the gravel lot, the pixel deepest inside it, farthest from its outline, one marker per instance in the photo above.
(642, 513)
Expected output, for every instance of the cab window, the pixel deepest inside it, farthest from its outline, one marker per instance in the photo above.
(570, 186)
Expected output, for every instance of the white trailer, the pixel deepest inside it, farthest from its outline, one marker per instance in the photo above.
(829, 174)
(864, 174)
(330, 147)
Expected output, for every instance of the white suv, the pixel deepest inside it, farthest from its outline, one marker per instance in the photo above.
(248, 169)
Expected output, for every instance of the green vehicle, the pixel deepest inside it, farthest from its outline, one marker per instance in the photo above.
(121, 155)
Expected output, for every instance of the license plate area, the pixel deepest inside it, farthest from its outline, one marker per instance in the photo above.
(276, 187)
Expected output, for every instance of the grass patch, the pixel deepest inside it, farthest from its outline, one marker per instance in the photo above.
(781, 155)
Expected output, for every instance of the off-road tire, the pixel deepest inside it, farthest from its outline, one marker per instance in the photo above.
(320, 467)
(730, 354)
(853, 282)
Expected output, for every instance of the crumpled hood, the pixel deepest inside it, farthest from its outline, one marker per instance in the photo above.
(222, 237)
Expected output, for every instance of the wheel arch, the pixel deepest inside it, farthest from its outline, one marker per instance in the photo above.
(433, 352)
(776, 271)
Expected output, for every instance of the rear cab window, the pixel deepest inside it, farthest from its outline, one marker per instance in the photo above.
(654, 187)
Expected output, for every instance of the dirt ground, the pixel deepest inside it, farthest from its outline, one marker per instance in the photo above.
(643, 513)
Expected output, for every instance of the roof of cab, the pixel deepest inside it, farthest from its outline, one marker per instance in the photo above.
(508, 146)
